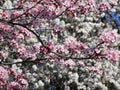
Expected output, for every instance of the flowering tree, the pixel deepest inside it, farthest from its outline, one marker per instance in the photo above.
(57, 38)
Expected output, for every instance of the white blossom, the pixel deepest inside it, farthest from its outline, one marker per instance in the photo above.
(40, 83)
(8, 4)
(34, 67)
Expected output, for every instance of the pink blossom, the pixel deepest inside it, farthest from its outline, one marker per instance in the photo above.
(61, 61)
(13, 72)
(60, 49)
(37, 47)
(4, 28)
(112, 55)
(86, 10)
(89, 51)
(102, 6)
(95, 69)
(21, 76)
(2, 83)
(69, 62)
(3, 55)
(51, 8)
(67, 3)
(108, 37)
(50, 45)
(1, 38)
(39, 7)
(20, 37)
(80, 63)
(13, 43)
(34, 11)
(30, 54)
(4, 73)
(91, 3)
(27, 34)
(44, 50)
(5, 15)
(19, 3)
(14, 86)
(82, 46)
(113, 3)
(23, 82)
(70, 13)
(71, 44)
(21, 50)
(15, 13)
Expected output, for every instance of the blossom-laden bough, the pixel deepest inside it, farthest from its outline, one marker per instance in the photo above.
(61, 33)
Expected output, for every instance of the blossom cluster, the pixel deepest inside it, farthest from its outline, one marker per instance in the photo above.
(50, 40)
(19, 83)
